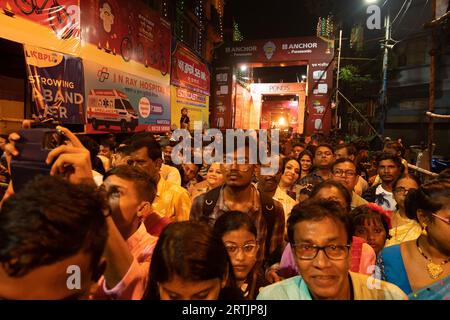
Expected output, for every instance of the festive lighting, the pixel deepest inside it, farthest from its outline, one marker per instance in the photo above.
(325, 27)
(164, 8)
(199, 14)
(221, 18)
(237, 35)
(282, 122)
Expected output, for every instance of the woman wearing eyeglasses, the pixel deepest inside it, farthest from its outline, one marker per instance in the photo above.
(320, 234)
(239, 235)
(190, 263)
(424, 262)
(403, 229)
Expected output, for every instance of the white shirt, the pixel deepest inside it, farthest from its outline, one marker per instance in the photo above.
(287, 202)
(389, 202)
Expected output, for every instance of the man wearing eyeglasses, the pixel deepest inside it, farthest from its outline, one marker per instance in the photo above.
(320, 235)
(344, 171)
(348, 151)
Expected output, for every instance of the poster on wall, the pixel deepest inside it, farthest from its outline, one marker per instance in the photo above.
(57, 85)
(221, 118)
(121, 102)
(48, 24)
(319, 86)
(189, 72)
(196, 105)
(128, 29)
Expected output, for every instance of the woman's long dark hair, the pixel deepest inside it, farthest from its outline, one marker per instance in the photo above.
(232, 221)
(191, 251)
(430, 197)
(311, 157)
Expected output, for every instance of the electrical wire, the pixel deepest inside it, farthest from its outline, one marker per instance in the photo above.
(399, 11)
(413, 29)
(404, 13)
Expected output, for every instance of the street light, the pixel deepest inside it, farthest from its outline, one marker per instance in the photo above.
(371, 1)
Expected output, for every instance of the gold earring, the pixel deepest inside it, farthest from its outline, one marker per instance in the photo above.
(424, 230)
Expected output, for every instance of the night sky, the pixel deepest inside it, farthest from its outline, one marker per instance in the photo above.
(260, 19)
(263, 19)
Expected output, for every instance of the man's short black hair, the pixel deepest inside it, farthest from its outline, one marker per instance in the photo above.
(299, 144)
(316, 210)
(153, 147)
(324, 145)
(144, 184)
(387, 156)
(351, 150)
(48, 221)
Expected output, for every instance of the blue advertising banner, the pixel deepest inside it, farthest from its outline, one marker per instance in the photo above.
(119, 101)
(57, 85)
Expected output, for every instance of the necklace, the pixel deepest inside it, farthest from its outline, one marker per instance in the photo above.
(398, 219)
(433, 269)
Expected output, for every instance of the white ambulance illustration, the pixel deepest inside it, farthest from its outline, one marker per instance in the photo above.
(110, 107)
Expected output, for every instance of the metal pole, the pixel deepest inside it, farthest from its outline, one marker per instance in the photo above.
(432, 86)
(337, 80)
(233, 121)
(361, 115)
(383, 97)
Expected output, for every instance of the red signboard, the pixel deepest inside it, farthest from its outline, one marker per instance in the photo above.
(221, 113)
(61, 16)
(189, 72)
(316, 52)
(129, 29)
(290, 49)
(320, 82)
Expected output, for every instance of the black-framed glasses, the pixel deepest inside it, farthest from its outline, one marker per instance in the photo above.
(347, 173)
(306, 251)
(402, 190)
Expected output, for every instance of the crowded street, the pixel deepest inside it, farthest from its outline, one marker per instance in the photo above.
(225, 150)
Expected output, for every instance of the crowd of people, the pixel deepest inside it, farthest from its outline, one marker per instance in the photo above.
(122, 220)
